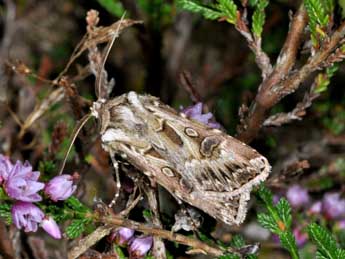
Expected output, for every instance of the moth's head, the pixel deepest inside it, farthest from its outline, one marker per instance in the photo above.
(96, 108)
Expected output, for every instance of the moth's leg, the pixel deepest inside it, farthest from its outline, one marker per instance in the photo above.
(117, 179)
(186, 212)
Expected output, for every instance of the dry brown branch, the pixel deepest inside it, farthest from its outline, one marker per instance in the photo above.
(8, 33)
(337, 56)
(287, 173)
(95, 37)
(187, 82)
(158, 249)
(92, 38)
(254, 43)
(88, 241)
(297, 113)
(168, 235)
(53, 98)
(282, 82)
(6, 245)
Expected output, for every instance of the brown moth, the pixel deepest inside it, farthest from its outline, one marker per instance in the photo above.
(202, 166)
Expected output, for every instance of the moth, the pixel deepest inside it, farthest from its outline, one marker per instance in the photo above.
(202, 166)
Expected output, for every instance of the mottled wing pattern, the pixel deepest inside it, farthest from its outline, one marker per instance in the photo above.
(220, 170)
(202, 166)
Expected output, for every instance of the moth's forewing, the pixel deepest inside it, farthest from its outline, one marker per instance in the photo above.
(202, 166)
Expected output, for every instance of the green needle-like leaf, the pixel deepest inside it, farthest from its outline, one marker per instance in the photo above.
(326, 245)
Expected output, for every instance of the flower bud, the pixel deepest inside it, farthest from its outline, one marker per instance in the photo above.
(60, 187)
(50, 226)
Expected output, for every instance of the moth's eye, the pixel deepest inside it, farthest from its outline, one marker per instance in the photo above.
(191, 132)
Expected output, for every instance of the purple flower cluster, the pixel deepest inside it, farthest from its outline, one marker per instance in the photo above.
(21, 184)
(19, 181)
(137, 246)
(330, 207)
(195, 112)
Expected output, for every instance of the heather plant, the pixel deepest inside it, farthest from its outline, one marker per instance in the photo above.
(269, 76)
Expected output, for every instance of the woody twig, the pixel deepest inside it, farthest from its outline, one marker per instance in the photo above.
(282, 80)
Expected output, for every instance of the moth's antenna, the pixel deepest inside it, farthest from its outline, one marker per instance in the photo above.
(86, 118)
(106, 54)
(75, 133)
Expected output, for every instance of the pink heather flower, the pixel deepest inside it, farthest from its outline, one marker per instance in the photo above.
(123, 235)
(5, 167)
(300, 236)
(60, 187)
(333, 207)
(26, 215)
(139, 247)
(315, 208)
(340, 225)
(297, 196)
(195, 112)
(50, 226)
(22, 184)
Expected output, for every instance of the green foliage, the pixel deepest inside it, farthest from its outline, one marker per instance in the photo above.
(195, 7)
(237, 241)
(326, 245)
(3, 195)
(119, 252)
(77, 227)
(336, 123)
(278, 220)
(230, 256)
(114, 7)
(318, 18)
(328, 5)
(229, 9)
(323, 80)
(284, 211)
(77, 211)
(47, 168)
(5, 213)
(342, 6)
(147, 214)
(74, 204)
(160, 12)
(323, 182)
(259, 17)
(223, 8)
